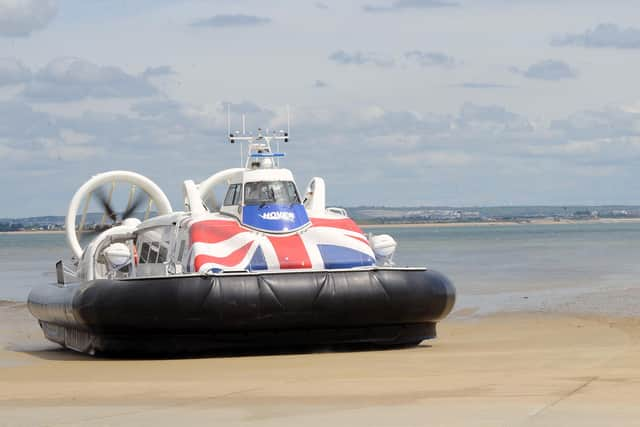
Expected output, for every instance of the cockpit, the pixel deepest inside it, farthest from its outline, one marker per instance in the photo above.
(270, 192)
(271, 206)
(262, 193)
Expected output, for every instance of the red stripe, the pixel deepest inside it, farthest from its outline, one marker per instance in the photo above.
(344, 224)
(291, 252)
(214, 231)
(233, 259)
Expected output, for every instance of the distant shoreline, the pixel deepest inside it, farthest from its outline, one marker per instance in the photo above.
(543, 221)
(33, 232)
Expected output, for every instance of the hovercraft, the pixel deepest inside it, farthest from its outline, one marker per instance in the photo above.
(262, 267)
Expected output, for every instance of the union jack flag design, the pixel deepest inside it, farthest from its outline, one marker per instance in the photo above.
(223, 244)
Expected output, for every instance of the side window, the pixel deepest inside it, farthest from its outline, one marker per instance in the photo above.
(144, 253)
(181, 251)
(162, 254)
(238, 196)
(153, 253)
(153, 245)
(231, 195)
(292, 192)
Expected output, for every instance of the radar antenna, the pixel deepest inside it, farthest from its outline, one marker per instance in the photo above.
(259, 153)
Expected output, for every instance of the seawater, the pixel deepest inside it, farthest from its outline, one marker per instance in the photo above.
(528, 267)
(27, 260)
(588, 267)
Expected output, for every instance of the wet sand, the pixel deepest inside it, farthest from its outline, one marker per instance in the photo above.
(504, 369)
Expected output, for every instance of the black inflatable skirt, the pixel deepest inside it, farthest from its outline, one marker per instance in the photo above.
(196, 313)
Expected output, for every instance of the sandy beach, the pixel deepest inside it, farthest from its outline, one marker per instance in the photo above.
(504, 369)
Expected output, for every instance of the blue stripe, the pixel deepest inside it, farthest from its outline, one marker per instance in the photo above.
(341, 257)
(266, 155)
(258, 262)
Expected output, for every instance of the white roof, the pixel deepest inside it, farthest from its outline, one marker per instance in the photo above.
(254, 175)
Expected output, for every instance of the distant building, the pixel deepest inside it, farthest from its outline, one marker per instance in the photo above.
(471, 215)
(620, 212)
(582, 214)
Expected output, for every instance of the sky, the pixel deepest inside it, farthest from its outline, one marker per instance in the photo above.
(393, 102)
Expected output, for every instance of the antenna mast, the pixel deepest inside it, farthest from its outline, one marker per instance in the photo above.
(241, 147)
(259, 145)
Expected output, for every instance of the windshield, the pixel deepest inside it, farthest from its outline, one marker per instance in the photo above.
(270, 192)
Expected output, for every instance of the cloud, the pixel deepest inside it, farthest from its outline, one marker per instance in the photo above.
(571, 148)
(20, 122)
(404, 148)
(482, 136)
(592, 157)
(256, 116)
(320, 84)
(222, 21)
(493, 118)
(442, 159)
(598, 124)
(320, 5)
(602, 36)
(20, 18)
(360, 58)
(29, 137)
(472, 123)
(486, 113)
(244, 107)
(156, 108)
(421, 58)
(478, 85)
(379, 121)
(548, 70)
(38, 147)
(74, 79)
(430, 59)
(160, 71)
(393, 147)
(409, 4)
(13, 72)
